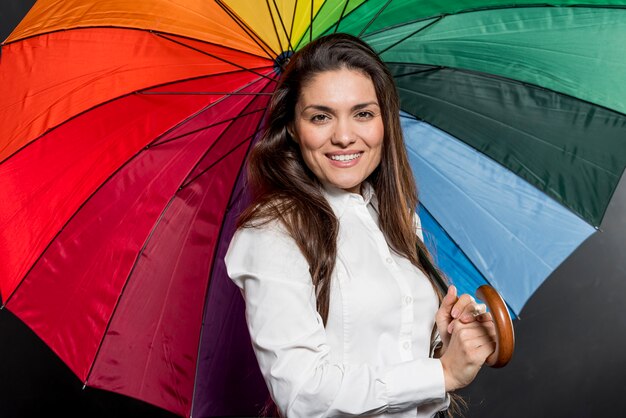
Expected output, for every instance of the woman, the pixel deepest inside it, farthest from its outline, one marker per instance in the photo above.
(343, 317)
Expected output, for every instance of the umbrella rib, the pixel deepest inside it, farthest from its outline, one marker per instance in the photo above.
(345, 6)
(136, 29)
(185, 184)
(232, 199)
(212, 55)
(230, 48)
(436, 20)
(313, 17)
(400, 25)
(269, 9)
(432, 69)
(156, 142)
(239, 193)
(149, 90)
(200, 93)
(368, 24)
(323, 7)
(204, 171)
(282, 23)
(216, 332)
(130, 273)
(205, 128)
(489, 75)
(248, 30)
(293, 20)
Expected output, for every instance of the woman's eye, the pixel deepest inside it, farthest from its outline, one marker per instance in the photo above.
(364, 115)
(319, 118)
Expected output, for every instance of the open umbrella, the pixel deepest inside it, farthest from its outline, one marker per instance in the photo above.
(124, 127)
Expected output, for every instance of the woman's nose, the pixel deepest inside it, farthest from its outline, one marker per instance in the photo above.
(344, 135)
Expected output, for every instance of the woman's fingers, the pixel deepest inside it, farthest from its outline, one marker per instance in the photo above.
(484, 347)
(444, 315)
(484, 325)
(461, 303)
(449, 300)
(478, 340)
(467, 310)
(471, 311)
(463, 308)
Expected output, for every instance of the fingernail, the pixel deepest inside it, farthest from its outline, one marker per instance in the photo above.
(455, 313)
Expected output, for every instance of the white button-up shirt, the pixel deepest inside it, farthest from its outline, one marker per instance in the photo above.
(373, 356)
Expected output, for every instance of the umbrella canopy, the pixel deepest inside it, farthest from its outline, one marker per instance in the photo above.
(125, 126)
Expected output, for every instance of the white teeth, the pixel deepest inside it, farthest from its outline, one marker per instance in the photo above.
(345, 157)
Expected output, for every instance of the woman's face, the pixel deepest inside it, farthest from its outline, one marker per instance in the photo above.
(339, 128)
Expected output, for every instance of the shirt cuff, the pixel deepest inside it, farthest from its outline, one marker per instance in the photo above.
(415, 382)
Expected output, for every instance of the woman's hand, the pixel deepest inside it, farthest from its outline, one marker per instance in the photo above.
(463, 308)
(469, 346)
(468, 337)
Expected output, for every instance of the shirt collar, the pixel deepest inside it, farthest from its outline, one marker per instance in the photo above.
(339, 199)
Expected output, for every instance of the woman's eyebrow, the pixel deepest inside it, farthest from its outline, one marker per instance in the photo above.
(364, 105)
(331, 110)
(318, 107)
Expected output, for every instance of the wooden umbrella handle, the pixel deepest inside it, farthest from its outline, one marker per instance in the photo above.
(505, 336)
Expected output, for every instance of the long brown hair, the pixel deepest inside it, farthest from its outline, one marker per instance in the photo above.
(284, 188)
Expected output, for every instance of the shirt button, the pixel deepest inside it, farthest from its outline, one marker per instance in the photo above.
(406, 345)
(389, 260)
(408, 300)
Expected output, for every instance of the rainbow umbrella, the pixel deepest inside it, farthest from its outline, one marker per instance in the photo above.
(124, 127)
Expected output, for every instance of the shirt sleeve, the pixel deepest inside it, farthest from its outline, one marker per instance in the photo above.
(289, 339)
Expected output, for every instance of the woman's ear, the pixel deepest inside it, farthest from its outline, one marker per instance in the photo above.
(291, 133)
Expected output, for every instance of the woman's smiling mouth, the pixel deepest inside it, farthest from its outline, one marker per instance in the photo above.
(344, 157)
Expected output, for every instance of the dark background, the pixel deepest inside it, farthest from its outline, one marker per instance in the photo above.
(11, 12)
(569, 359)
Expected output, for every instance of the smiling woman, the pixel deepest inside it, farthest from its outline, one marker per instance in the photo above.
(339, 128)
(342, 314)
